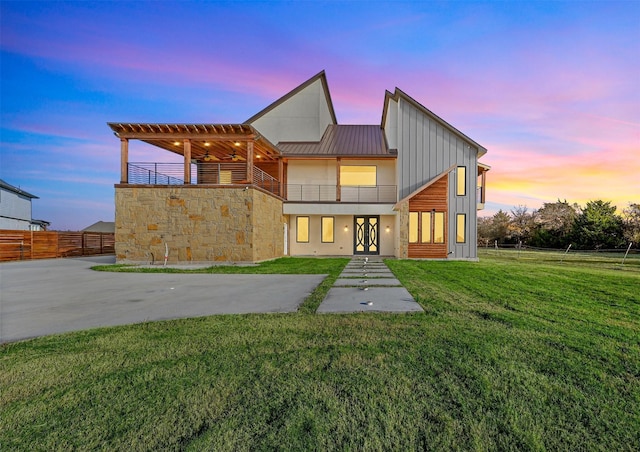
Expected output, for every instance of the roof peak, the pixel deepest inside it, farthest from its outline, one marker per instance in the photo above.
(319, 76)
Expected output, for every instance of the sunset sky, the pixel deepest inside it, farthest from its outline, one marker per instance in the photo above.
(551, 89)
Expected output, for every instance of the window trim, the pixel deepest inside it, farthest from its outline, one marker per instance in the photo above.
(461, 181)
(417, 227)
(435, 238)
(431, 216)
(333, 230)
(298, 229)
(462, 216)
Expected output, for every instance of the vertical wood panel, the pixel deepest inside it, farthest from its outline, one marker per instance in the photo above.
(24, 245)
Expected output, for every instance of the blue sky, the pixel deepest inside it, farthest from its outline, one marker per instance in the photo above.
(551, 89)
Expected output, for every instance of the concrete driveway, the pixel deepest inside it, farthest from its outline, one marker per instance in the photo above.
(50, 296)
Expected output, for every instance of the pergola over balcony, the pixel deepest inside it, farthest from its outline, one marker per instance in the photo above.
(221, 153)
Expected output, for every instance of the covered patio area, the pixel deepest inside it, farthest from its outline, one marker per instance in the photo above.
(213, 154)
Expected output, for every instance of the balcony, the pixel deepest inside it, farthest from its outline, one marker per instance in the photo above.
(143, 173)
(346, 194)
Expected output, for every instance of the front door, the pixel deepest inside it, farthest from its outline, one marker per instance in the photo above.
(366, 235)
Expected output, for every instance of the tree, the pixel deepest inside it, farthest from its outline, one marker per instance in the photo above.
(484, 230)
(631, 220)
(494, 228)
(598, 227)
(500, 226)
(554, 224)
(522, 223)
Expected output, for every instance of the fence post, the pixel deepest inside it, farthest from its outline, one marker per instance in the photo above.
(565, 253)
(625, 254)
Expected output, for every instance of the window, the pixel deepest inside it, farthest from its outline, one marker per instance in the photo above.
(426, 227)
(302, 229)
(327, 229)
(358, 175)
(438, 227)
(461, 181)
(413, 227)
(461, 225)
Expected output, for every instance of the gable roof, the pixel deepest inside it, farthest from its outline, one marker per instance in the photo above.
(101, 226)
(16, 190)
(401, 94)
(319, 76)
(341, 140)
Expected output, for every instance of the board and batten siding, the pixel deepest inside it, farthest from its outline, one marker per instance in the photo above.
(426, 149)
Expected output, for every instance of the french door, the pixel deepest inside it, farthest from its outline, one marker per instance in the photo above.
(366, 237)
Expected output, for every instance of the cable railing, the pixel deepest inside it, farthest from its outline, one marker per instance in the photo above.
(342, 193)
(217, 173)
(211, 173)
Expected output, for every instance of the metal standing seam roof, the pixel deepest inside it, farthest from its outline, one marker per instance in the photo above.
(341, 140)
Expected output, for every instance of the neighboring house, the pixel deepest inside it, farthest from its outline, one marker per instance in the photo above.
(101, 226)
(292, 181)
(15, 209)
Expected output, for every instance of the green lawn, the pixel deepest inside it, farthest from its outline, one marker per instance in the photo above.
(511, 353)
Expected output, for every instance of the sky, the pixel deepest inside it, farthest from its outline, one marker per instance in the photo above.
(551, 89)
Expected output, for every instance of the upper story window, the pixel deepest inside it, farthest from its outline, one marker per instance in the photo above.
(461, 181)
(358, 175)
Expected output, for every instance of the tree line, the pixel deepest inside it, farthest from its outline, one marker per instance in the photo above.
(559, 224)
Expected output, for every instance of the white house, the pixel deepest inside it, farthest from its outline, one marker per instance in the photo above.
(292, 181)
(16, 210)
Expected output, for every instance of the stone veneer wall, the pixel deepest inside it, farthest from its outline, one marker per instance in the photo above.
(403, 245)
(198, 224)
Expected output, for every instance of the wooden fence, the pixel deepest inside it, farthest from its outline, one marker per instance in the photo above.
(23, 245)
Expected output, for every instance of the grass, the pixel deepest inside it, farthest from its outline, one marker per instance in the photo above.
(510, 353)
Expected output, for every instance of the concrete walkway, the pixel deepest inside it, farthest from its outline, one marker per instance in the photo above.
(367, 284)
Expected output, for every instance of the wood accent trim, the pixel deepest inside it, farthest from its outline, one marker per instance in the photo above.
(124, 160)
(424, 187)
(281, 176)
(432, 198)
(187, 161)
(338, 187)
(250, 160)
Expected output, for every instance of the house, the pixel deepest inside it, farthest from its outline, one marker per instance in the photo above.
(292, 181)
(15, 209)
(101, 226)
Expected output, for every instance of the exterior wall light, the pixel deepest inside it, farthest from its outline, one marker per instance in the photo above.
(346, 228)
(388, 229)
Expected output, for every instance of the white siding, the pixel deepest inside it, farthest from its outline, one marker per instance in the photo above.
(303, 117)
(15, 210)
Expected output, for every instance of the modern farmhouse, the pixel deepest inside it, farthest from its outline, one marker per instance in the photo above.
(292, 181)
